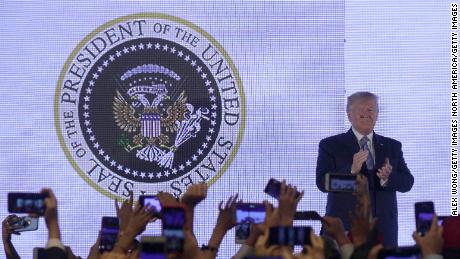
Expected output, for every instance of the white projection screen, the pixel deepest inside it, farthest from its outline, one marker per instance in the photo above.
(71, 75)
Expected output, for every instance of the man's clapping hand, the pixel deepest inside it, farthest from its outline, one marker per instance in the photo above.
(385, 171)
(358, 159)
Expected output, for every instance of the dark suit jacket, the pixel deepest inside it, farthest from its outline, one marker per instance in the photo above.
(336, 156)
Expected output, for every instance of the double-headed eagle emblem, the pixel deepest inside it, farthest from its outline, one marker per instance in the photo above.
(151, 118)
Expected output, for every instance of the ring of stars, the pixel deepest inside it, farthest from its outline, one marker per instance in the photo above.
(131, 49)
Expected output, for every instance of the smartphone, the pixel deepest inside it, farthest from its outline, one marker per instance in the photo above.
(153, 247)
(307, 215)
(152, 201)
(109, 233)
(19, 202)
(39, 253)
(173, 219)
(20, 224)
(247, 213)
(273, 188)
(340, 182)
(242, 232)
(407, 252)
(290, 236)
(424, 212)
(250, 213)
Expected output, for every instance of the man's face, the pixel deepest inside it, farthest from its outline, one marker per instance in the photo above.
(363, 115)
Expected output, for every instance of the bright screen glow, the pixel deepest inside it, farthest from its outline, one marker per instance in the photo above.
(297, 62)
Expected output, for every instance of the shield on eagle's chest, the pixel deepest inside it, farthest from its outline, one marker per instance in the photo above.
(150, 125)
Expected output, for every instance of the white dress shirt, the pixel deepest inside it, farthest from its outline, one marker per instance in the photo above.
(370, 145)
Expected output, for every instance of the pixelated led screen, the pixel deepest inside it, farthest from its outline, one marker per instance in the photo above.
(102, 98)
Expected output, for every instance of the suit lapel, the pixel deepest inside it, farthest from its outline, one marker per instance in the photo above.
(379, 149)
(351, 141)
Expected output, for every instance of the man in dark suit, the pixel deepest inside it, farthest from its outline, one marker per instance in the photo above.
(360, 150)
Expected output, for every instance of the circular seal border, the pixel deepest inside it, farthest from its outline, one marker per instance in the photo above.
(162, 16)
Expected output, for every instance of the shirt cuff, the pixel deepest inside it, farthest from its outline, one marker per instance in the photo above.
(347, 250)
(434, 256)
(383, 183)
(55, 242)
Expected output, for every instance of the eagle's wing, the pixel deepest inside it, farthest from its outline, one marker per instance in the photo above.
(176, 112)
(125, 114)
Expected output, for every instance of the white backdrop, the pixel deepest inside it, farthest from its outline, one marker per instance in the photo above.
(298, 61)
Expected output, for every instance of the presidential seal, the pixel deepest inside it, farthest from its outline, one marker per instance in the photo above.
(148, 103)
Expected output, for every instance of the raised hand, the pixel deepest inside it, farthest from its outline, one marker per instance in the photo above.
(272, 219)
(316, 249)
(139, 218)
(136, 225)
(432, 242)
(167, 199)
(195, 194)
(191, 248)
(334, 227)
(51, 214)
(226, 219)
(272, 216)
(288, 203)
(362, 185)
(7, 229)
(361, 224)
(125, 211)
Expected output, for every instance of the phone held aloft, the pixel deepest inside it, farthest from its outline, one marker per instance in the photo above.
(424, 212)
(26, 223)
(247, 213)
(109, 233)
(152, 201)
(290, 236)
(273, 188)
(153, 247)
(340, 182)
(19, 202)
(173, 220)
(307, 215)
